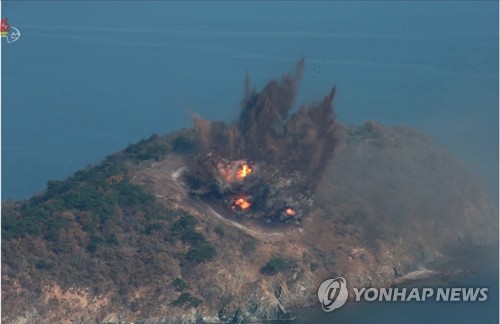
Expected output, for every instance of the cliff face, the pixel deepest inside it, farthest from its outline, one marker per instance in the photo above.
(125, 241)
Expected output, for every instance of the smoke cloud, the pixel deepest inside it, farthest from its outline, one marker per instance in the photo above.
(285, 152)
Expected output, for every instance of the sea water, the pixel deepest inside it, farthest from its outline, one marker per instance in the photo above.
(479, 270)
(86, 79)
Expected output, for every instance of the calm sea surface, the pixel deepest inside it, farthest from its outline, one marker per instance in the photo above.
(87, 78)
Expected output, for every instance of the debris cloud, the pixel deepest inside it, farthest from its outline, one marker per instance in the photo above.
(270, 156)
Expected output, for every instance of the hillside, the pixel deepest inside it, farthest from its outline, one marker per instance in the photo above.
(125, 240)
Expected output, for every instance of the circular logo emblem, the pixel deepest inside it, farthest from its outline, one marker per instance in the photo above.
(332, 294)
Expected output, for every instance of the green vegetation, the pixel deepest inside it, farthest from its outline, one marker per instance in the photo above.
(200, 249)
(185, 299)
(201, 253)
(276, 265)
(184, 226)
(154, 227)
(314, 266)
(31, 220)
(249, 246)
(42, 265)
(95, 241)
(101, 190)
(151, 149)
(101, 201)
(183, 144)
(179, 284)
(98, 229)
(219, 231)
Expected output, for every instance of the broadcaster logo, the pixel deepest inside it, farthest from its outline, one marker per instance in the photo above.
(333, 294)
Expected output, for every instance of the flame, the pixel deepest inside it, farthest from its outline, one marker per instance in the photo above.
(234, 171)
(290, 212)
(242, 203)
(243, 172)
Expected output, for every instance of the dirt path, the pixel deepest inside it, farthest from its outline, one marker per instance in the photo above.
(241, 227)
(175, 177)
(164, 182)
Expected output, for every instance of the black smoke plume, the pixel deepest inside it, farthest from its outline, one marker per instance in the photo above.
(286, 152)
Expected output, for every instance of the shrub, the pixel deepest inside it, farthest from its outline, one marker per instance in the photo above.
(180, 285)
(151, 227)
(201, 253)
(146, 149)
(135, 306)
(95, 241)
(111, 239)
(42, 265)
(220, 231)
(314, 266)
(184, 225)
(31, 221)
(249, 246)
(200, 249)
(194, 238)
(185, 299)
(182, 144)
(275, 266)
(55, 187)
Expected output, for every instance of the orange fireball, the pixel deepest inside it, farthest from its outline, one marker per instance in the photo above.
(242, 203)
(243, 172)
(290, 212)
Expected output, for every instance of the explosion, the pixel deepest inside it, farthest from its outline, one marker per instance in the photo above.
(242, 204)
(288, 153)
(243, 172)
(234, 171)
